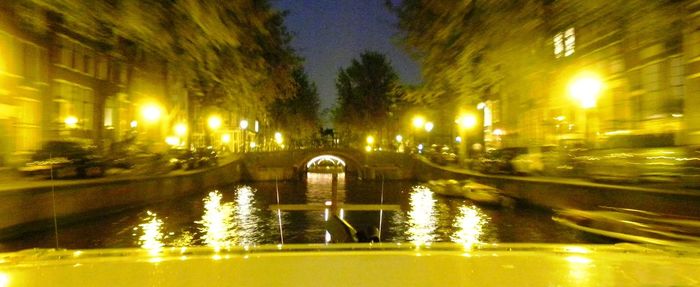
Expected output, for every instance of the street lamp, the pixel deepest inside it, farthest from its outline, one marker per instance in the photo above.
(418, 123)
(151, 112)
(429, 127)
(180, 129)
(585, 89)
(214, 122)
(244, 125)
(71, 121)
(464, 121)
(278, 138)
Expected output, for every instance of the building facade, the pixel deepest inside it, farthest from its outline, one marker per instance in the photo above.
(58, 83)
(645, 55)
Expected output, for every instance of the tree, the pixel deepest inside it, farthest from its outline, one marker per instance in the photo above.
(367, 92)
(297, 116)
(230, 53)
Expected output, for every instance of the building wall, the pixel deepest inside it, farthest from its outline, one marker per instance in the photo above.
(649, 78)
(58, 83)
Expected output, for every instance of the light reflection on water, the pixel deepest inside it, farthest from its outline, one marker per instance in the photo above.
(230, 223)
(216, 225)
(469, 226)
(152, 235)
(240, 215)
(422, 220)
(425, 219)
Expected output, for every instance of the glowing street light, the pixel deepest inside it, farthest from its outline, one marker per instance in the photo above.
(585, 88)
(151, 112)
(278, 138)
(226, 138)
(134, 124)
(214, 122)
(418, 122)
(466, 121)
(370, 140)
(481, 106)
(172, 140)
(180, 129)
(429, 126)
(399, 138)
(71, 121)
(243, 124)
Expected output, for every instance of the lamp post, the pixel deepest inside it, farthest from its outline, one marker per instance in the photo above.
(151, 114)
(585, 89)
(464, 121)
(428, 127)
(244, 126)
(417, 123)
(214, 123)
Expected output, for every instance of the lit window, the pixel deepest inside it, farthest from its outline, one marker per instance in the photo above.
(558, 45)
(569, 42)
(564, 43)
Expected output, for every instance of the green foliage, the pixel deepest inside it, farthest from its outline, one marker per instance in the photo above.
(231, 53)
(367, 92)
(471, 49)
(298, 115)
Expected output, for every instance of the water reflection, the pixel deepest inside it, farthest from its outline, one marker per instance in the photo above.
(319, 187)
(230, 223)
(217, 222)
(247, 222)
(421, 216)
(152, 235)
(469, 226)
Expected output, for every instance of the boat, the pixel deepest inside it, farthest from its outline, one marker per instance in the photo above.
(474, 191)
(634, 225)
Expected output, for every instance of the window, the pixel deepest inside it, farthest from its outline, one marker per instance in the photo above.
(564, 43)
(28, 127)
(77, 101)
(31, 62)
(101, 68)
(66, 52)
(4, 48)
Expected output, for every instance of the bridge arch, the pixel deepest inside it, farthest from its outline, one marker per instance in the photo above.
(351, 160)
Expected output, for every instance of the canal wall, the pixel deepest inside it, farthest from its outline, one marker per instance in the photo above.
(561, 193)
(31, 207)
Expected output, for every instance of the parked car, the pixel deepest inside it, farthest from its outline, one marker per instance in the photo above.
(642, 158)
(498, 160)
(441, 154)
(193, 159)
(549, 160)
(65, 159)
(531, 162)
(178, 158)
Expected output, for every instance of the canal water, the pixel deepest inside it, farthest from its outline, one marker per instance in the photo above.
(246, 213)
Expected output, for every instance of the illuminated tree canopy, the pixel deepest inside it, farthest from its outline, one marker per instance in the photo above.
(228, 52)
(368, 91)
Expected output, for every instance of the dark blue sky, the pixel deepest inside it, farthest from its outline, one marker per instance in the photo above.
(330, 33)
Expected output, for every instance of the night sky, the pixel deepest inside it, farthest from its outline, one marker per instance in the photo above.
(330, 33)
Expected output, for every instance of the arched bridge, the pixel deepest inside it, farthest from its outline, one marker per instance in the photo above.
(294, 164)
